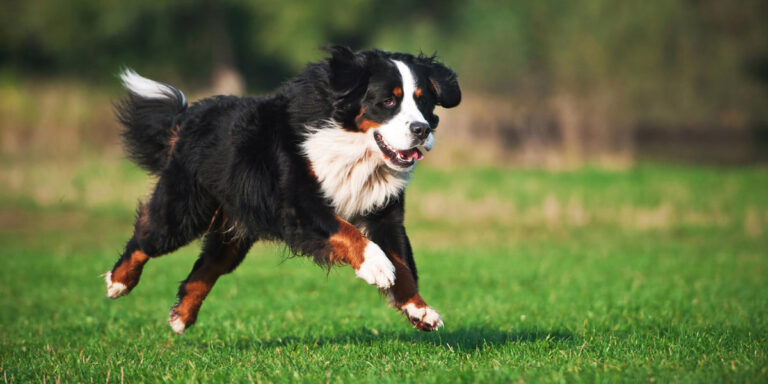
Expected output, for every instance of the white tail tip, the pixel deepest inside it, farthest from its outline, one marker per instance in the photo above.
(146, 88)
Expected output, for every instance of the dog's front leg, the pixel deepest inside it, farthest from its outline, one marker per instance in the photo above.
(333, 240)
(404, 294)
(348, 245)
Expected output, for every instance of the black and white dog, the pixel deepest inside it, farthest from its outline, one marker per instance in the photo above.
(322, 165)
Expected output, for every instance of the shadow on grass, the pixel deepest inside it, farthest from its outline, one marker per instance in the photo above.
(468, 338)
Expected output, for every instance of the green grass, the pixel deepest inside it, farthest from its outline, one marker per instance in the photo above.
(653, 274)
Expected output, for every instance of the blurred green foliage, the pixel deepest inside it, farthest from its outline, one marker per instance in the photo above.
(668, 60)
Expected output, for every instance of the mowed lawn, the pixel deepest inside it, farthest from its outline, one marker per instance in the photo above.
(650, 274)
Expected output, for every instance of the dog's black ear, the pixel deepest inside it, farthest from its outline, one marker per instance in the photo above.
(443, 82)
(348, 79)
(347, 69)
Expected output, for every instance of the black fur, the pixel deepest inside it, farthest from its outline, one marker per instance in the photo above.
(148, 127)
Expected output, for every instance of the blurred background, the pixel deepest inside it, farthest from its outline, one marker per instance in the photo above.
(547, 83)
(603, 181)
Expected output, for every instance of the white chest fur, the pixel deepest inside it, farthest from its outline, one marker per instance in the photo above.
(351, 171)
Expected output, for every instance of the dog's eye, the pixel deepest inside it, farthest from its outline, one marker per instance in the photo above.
(389, 102)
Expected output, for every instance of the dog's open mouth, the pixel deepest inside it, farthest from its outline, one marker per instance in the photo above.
(400, 158)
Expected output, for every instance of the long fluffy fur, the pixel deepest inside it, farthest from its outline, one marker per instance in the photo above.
(350, 173)
(276, 167)
(148, 115)
(306, 165)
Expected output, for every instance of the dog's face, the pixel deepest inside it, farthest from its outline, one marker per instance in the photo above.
(391, 98)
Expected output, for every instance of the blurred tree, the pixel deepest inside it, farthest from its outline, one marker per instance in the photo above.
(593, 68)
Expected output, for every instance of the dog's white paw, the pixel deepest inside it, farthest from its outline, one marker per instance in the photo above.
(424, 318)
(376, 268)
(176, 323)
(114, 289)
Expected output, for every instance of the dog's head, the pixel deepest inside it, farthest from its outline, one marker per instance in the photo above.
(390, 98)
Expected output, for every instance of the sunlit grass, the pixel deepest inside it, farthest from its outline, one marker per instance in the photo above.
(647, 274)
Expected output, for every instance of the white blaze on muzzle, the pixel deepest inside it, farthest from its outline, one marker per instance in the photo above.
(397, 131)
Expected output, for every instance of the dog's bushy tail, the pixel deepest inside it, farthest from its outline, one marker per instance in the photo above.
(148, 116)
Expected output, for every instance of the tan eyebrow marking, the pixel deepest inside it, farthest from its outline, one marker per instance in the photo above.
(417, 93)
(397, 91)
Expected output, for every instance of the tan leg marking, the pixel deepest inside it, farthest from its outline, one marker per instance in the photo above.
(184, 313)
(404, 295)
(370, 263)
(123, 278)
(348, 245)
(198, 286)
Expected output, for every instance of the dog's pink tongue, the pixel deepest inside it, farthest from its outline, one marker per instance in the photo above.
(412, 153)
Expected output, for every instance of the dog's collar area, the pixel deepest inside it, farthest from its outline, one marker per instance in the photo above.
(400, 158)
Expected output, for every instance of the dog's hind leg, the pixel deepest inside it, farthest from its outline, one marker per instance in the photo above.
(221, 254)
(178, 212)
(127, 270)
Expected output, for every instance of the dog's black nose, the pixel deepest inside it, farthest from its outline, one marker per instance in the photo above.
(420, 130)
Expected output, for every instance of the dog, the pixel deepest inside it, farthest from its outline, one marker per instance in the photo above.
(321, 165)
